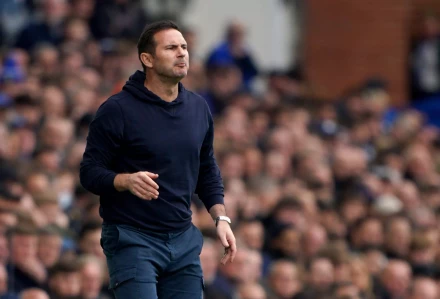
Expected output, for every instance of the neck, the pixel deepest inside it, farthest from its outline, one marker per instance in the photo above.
(167, 90)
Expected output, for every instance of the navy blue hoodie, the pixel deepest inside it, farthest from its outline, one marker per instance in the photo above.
(135, 130)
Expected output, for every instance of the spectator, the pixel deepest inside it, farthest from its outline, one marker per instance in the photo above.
(4, 249)
(398, 237)
(286, 243)
(49, 206)
(118, 19)
(208, 258)
(3, 280)
(230, 276)
(321, 278)
(346, 189)
(34, 294)
(89, 240)
(315, 238)
(24, 268)
(251, 291)
(395, 280)
(254, 267)
(425, 288)
(360, 276)
(235, 51)
(82, 9)
(64, 280)
(13, 16)
(346, 290)
(92, 277)
(47, 29)
(368, 232)
(422, 256)
(49, 246)
(285, 280)
(224, 81)
(76, 34)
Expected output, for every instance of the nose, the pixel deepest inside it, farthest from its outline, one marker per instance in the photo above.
(182, 52)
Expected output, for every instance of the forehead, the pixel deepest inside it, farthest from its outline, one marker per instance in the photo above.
(169, 36)
(23, 239)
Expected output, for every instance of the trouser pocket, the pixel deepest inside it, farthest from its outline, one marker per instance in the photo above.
(110, 237)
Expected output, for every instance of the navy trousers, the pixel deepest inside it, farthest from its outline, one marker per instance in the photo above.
(145, 265)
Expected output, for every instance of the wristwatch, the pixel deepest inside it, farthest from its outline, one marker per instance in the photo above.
(223, 218)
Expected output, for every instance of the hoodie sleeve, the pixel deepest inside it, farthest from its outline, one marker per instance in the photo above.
(210, 184)
(103, 142)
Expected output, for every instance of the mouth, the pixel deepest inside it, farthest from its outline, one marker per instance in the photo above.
(182, 64)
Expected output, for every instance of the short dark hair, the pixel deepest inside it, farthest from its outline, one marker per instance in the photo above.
(64, 266)
(88, 227)
(22, 230)
(50, 230)
(147, 43)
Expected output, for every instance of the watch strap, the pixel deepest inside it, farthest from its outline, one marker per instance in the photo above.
(222, 218)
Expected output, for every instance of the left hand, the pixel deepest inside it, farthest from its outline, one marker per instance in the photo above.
(226, 236)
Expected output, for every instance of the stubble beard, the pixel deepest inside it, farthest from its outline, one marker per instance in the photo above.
(171, 73)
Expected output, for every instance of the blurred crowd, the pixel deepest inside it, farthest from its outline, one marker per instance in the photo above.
(331, 200)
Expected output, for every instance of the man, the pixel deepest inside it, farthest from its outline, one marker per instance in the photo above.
(321, 278)
(149, 148)
(34, 293)
(424, 288)
(24, 266)
(89, 239)
(285, 280)
(346, 290)
(92, 274)
(395, 280)
(251, 290)
(235, 51)
(64, 280)
(398, 234)
(50, 242)
(44, 30)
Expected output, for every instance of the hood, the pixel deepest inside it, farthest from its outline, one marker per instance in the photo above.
(135, 86)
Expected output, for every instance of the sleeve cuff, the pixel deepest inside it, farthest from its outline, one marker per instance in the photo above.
(109, 185)
(212, 200)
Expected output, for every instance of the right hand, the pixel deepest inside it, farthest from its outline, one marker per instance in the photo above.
(142, 185)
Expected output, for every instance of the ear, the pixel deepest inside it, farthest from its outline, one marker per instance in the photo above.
(147, 59)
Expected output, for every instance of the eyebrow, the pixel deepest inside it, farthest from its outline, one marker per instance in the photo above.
(176, 44)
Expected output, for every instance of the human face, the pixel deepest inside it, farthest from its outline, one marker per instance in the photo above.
(253, 235)
(398, 237)
(66, 285)
(171, 59)
(424, 288)
(90, 244)
(252, 291)
(208, 259)
(91, 275)
(397, 278)
(285, 280)
(24, 248)
(322, 273)
(49, 249)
